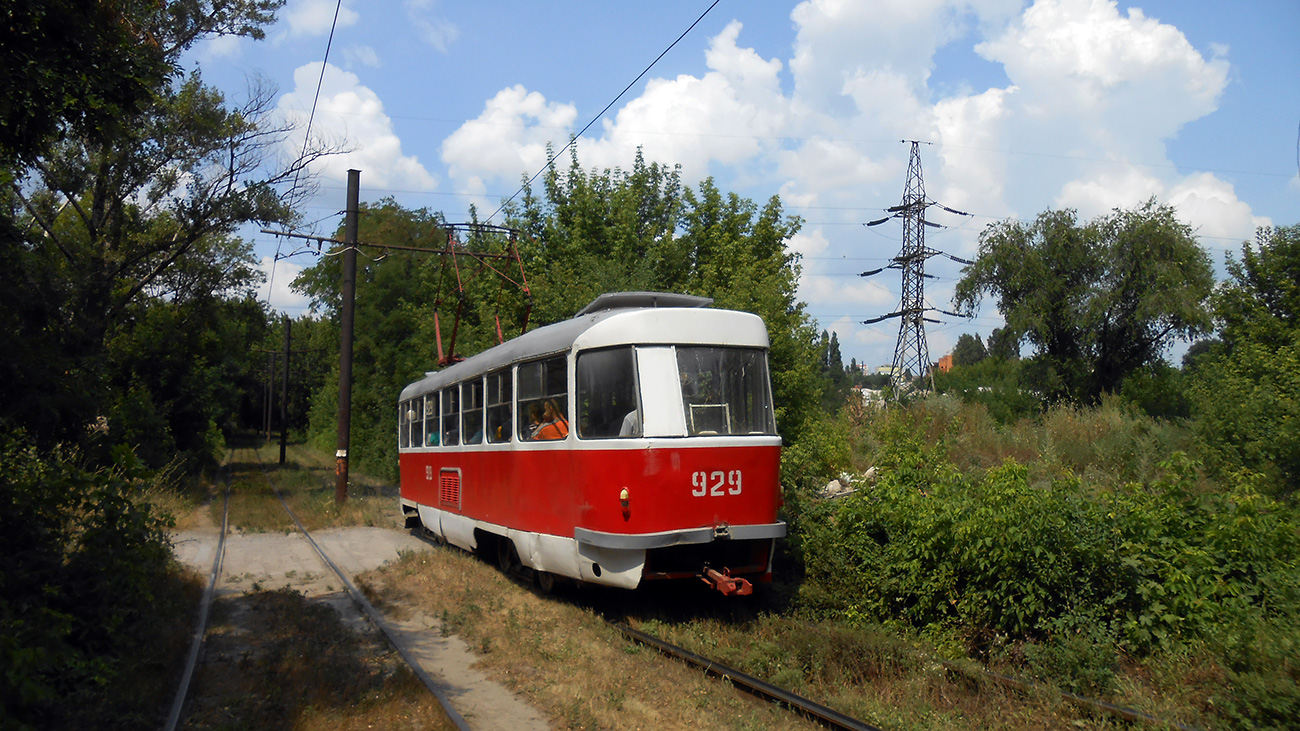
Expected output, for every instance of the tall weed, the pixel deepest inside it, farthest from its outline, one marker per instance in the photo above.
(1095, 549)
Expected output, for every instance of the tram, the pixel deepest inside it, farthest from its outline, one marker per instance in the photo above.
(633, 442)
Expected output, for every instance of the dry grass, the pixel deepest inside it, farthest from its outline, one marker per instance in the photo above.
(559, 653)
(562, 657)
(277, 660)
(306, 481)
(1104, 446)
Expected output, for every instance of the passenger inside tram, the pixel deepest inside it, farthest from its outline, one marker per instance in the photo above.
(554, 425)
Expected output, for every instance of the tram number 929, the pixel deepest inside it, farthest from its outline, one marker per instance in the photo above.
(716, 484)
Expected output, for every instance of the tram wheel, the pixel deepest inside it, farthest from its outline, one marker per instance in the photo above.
(507, 557)
(545, 581)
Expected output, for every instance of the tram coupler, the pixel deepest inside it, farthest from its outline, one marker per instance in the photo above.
(724, 582)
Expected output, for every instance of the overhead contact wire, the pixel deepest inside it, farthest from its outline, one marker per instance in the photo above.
(606, 109)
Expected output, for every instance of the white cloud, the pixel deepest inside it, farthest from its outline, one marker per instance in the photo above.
(1094, 96)
(361, 56)
(1212, 207)
(278, 275)
(729, 115)
(820, 289)
(507, 140)
(217, 48)
(1097, 83)
(808, 243)
(1203, 201)
(306, 18)
(438, 33)
(351, 112)
(432, 28)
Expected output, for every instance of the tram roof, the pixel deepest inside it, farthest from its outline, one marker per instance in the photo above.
(556, 338)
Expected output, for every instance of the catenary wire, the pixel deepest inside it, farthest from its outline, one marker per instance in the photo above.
(306, 137)
(602, 112)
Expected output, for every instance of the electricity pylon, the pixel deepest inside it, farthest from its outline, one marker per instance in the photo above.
(911, 353)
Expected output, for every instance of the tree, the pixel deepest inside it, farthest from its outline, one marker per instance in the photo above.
(1002, 344)
(1097, 301)
(394, 339)
(115, 216)
(1247, 391)
(969, 350)
(590, 233)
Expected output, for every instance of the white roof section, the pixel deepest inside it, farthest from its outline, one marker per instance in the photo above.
(645, 324)
(620, 300)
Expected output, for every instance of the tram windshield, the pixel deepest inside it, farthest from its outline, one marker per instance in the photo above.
(725, 391)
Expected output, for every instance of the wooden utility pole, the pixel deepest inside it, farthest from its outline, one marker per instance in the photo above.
(284, 394)
(345, 336)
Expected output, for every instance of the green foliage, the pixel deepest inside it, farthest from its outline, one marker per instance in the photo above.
(1160, 390)
(133, 207)
(1097, 301)
(1247, 390)
(84, 568)
(592, 233)
(969, 350)
(1078, 571)
(394, 341)
(994, 382)
(74, 66)
(178, 372)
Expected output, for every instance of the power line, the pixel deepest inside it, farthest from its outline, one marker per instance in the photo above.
(306, 137)
(606, 109)
(911, 352)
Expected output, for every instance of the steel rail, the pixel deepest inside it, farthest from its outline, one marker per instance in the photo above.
(365, 605)
(826, 716)
(201, 624)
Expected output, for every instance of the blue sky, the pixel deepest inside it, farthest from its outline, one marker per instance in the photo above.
(1028, 106)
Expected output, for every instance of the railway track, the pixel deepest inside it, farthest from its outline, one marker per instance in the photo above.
(354, 593)
(811, 710)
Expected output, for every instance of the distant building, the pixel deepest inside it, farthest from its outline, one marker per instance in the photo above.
(885, 370)
(945, 363)
(871, 397)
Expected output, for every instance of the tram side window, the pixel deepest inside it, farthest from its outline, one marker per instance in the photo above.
(607, 394)
(431, 431)
(451, 416)
(403, 430)
(471, 394)
(416, 413)
(500, 394)
(725, 391)
(543, 400)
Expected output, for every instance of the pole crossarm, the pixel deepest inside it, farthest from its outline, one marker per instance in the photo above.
(387, 247)
(911, 353)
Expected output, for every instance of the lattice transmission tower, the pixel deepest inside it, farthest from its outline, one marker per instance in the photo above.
(911, 353)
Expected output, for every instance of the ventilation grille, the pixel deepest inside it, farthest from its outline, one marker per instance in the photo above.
(449, 488)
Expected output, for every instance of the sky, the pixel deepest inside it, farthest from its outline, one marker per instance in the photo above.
(1021, 107)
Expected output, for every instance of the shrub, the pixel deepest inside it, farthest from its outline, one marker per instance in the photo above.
(83, 568)
(1156, 563)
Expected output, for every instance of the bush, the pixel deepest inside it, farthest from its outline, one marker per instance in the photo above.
(996, 384)
(1248, 405)
(83, 571)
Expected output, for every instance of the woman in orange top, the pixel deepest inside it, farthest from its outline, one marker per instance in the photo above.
(554, 425)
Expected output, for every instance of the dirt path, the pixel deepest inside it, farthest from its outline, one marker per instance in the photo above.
(255, 561)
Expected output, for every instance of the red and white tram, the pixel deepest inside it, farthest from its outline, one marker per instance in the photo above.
(634, 441)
